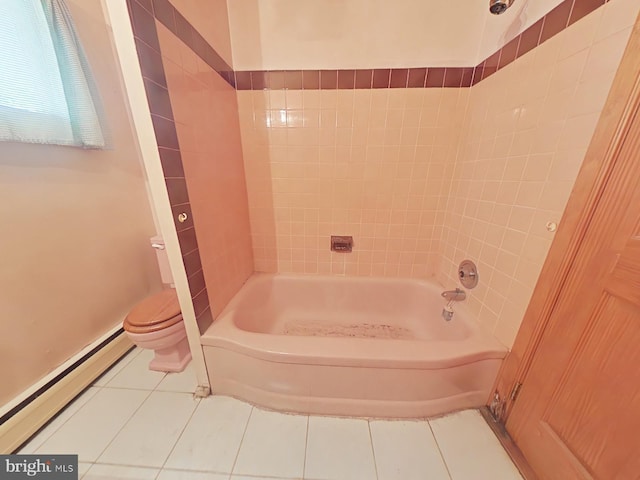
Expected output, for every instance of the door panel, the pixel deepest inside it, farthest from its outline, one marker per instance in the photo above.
(592, 396)
(578, 413)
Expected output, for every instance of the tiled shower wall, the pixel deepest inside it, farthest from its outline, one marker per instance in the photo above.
(195, 118)
(526, 133)
(371, 163)
(424, 178)
(206, 118)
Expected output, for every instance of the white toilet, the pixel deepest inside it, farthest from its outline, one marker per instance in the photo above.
(156, 322)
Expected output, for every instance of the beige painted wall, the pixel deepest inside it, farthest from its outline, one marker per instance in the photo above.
(75, 246)
(210, 18)
(307, 34)
(527, 129)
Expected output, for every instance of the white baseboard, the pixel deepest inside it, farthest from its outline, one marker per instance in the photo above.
(21, 426)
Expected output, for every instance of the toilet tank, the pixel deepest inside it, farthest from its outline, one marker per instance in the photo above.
(163, 260)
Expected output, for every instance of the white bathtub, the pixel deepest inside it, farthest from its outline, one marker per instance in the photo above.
(349, 346)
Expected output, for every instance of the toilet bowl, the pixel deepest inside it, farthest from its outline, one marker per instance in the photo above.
(156, 322)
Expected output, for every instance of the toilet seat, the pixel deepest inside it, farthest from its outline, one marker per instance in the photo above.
(154, 313)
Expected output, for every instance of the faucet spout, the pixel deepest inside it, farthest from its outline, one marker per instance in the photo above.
(456, 295)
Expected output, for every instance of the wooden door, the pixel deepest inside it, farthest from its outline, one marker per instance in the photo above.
(577, 415)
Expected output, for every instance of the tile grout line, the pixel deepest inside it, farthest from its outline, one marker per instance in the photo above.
(122, 427)
(124, 365)
(446, 465)
(246, 426)
(91, 464)
(92, 385)
(33, 437)
(373, 450)
(306, 445)
(198, 403)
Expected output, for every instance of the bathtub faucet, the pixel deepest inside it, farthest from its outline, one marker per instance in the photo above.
(451, 296)
(456, 295)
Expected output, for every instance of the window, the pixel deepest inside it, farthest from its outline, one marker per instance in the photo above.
(47, 93)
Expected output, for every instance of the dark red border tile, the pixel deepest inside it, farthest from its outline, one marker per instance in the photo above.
(243, 80)
(158, 99)
(491, 65)
(202, 48)
(399, 78)
(166, 135)
(293, 79)
(493, 60)
(467, 77)
(509, 52)
(582, 8)
(147, 5)
(488, 71)
(435, 77)
(259, 80)
(556, 20)
(200, 302)
(192, 262)
(346, 79)
(165, 13)
(171, 162)
(417, 77)
(188, 240)
(184, 30)
(204, 320)
(150, 63)
(530, 38)
(381, 78)
(177, 190)
(453, 77)
(276, 80)
(196, 282)
(477, 74)
(364, 78)
(328, 79)
(144, 25)
(310, 79)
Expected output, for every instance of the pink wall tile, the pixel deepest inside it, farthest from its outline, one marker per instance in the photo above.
(509, 182)
(422, 178)
(348, 162)
(206, 115)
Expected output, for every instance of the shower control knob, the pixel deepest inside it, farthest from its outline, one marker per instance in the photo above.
(182, 217)
(468, 273)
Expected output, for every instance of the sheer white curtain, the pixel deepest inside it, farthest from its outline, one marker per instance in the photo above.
(47, 93)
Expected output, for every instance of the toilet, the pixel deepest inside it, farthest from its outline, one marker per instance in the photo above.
(156, 322)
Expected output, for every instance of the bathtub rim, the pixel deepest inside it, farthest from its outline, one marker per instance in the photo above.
(339, 351)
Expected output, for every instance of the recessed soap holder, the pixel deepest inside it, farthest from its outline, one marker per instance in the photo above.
(468, 274)
(341, 243)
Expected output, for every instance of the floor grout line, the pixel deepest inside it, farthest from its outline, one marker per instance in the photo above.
(373, 450)
(444, 460)
(246, 426)
(92, 385)
(123, 425)
(306, 444)
(60, 412)
(198, 403)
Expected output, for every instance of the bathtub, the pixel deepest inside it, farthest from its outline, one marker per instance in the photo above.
(365, 347)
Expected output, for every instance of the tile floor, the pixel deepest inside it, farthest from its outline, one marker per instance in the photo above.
(136, 424)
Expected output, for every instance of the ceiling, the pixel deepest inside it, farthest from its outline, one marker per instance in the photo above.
(312, 34)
